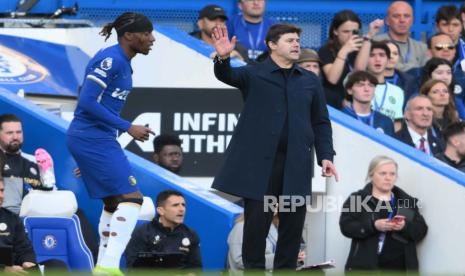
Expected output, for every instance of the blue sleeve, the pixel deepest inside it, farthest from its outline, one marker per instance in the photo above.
(459, 105)
(92, 89)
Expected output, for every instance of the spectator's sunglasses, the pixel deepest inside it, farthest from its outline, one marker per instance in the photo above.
(439, 47)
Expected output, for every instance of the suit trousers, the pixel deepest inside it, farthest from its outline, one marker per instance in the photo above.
(257, 222)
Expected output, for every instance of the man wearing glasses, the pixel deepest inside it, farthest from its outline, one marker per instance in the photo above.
(250, 26)
(441, 45)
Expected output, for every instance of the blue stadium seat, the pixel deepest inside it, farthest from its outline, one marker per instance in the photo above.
(55, 230)
(59, 239)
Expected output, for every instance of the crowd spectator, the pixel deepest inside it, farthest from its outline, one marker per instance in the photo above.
(441, 45)
(250, 26)
(417, 131)
(442, 99)
(168, 152)
(21, 173)
(399, 21)
(345, 51)
(13, 235)
(389, 98)
(166, 235)
(360, 89)
(386, 231)
(441, 69)
(454, 154)
(449, 21)
(392, 75)
(209, 17)
(309, 60)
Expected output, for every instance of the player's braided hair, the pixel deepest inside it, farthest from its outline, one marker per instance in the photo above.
(120, 22)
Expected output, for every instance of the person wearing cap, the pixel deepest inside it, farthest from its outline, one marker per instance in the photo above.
(309, 60)
(91, 137)
(250, 26)
(209, 17)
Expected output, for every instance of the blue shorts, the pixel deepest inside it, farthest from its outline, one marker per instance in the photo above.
(104, 167)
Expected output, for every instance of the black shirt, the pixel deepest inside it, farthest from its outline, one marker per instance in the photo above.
(12, 234)
(459, 166)
(154, 238)
(335, 92)
(392, 256)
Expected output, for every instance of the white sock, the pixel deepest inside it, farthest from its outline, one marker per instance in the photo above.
(104, 233)
(122, 224)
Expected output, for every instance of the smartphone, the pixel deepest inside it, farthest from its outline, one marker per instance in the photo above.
(398, 218)
(356, 32)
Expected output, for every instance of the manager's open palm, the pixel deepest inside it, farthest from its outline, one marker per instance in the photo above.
(221, 42)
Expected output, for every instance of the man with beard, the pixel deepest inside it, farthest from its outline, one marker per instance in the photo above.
(168, 153)
(21, 173)
(454, 154)
(209, 17)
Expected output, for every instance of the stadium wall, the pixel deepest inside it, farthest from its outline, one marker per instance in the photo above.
(211, 216)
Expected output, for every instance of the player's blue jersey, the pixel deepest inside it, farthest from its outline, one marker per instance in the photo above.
(107, 83)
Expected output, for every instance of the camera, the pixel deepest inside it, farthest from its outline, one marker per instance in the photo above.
(356, 32)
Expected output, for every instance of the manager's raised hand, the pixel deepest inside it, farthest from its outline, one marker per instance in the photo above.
(221, 42)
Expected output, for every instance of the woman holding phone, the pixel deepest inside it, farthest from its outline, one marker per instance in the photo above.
(385, 230)
(346, 50)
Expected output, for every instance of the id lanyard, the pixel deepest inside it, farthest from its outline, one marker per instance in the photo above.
(461, 56)
(394, 79)
(371, 120)
(377, 107)
(254, 46)
(382, 236)
(407, 54)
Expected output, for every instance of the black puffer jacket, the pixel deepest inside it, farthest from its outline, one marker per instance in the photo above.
(359, 226)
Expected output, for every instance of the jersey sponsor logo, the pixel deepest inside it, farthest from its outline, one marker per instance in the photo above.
(17, 68)
(49, 242)
(106, 63)
(120, 94)
(100, 72)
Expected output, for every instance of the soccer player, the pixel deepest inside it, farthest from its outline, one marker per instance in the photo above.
(91, 137)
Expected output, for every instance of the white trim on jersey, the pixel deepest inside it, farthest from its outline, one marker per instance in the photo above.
(97, 80)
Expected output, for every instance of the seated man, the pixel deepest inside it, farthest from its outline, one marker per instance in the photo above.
(21, 173)
(454, 154)
(418, 131)
(165, 237)
(360, 90)
(12, 234)
(309, 60)
(168, 152)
